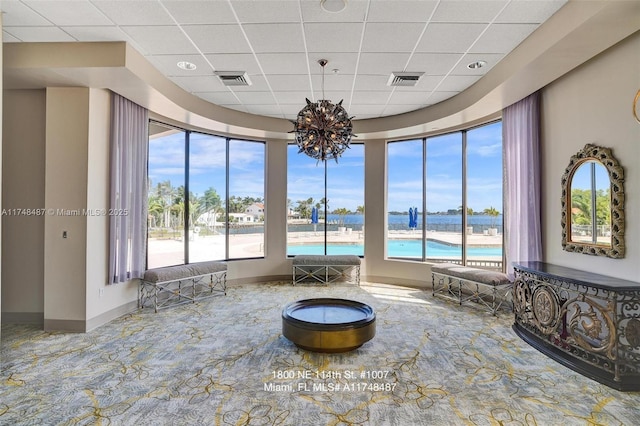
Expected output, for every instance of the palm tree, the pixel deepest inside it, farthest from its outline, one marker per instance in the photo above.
(491, 211)
(341, 212)
(360, 209)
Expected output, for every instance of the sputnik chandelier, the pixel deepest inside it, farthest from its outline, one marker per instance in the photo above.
(323, 130)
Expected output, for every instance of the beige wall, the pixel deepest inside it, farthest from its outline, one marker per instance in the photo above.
(23, 188)
(592, 104)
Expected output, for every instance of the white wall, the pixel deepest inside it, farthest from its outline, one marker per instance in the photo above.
(592, 104)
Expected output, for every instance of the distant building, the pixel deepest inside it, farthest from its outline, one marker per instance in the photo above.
(257, 211)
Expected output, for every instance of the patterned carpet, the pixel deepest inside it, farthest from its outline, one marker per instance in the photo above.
(223, 361)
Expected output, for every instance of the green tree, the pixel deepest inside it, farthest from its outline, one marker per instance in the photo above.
(491, 211)
(341, 212)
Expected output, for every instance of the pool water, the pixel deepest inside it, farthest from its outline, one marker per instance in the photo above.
(397, 248)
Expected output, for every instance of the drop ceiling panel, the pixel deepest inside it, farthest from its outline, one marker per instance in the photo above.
(278, 44)
(16, 14)
(407, 11)
(134, 12)
(502, 38)
(391, 37)
(168, 65)
(449, 38)
(65, 12)
(468, 11)
(234, 62)
(218, 38)
(382, 63)
(267, 11)
(200, 12)
(96, 33)
(283, 63)
(433, 63)
(529, 11)
(283, 82)
(274, 38)
(38, 33)
(333, 37)
(158, 40)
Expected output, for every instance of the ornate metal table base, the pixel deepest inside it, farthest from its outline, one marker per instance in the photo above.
(328, 325)
(587, 322)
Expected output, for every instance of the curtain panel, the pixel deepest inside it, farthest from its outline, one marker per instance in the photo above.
(128, 204)
(521, 145)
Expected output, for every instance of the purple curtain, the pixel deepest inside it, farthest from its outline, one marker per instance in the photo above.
(128, 223)
(521, 144)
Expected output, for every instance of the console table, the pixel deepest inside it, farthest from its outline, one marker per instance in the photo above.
(587, 322)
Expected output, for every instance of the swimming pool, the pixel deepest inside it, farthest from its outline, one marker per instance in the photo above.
(398, 248)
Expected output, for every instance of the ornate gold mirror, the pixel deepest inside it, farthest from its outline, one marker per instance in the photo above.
(593, 204)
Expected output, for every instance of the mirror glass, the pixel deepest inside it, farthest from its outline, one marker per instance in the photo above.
(592, 216)
(591, 204)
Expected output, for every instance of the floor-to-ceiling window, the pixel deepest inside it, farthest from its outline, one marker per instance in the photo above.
(325, 203)
(444, 198)
(206, 197)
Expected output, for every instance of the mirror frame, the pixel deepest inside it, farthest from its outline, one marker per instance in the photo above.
(616, 180)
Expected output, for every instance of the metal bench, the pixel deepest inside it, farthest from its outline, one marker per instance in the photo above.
(462, 283)
(172, 285)
(326, 269)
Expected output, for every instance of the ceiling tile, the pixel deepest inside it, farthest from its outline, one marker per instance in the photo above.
(134, 12)
(449, 38)
(17, 14)
(255, 98)
(98, 33)
(502, 38)
(372, 82)
(33, 34)
(333, 82)
(266, 110)
(258, 84)
(200, 12)
(219, 98)
(218, 38)
(433, 63)
(234, 62)
(292, 98)
(366, 111)
(8, 38)
(532, 11)
(468, 10)
(168, 65)
(275, 38)
(69, 12)
(370, 98)
(199, 83)
(391, 37)
(490, 58)
(382, 63)
(405, 11)
(236, 107)
(457, 83)
(333, 37)
(296, 82)
(159, 40)
(354, 12)
(291, 110)
(266, 11)
(440, 96)
(427, 83)
(283, 63)
(413, 98)
(345, 63)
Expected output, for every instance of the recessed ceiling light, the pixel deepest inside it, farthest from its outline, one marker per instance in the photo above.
(187, 66)
(476, 65)
(333, 6)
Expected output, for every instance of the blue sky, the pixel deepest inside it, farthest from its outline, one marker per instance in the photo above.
(346, 179)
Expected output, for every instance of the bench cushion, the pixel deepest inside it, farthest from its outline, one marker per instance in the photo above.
(172, 273)
(328, 260)
(483, 276)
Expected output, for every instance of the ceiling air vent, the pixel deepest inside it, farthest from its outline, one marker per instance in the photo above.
(234, 78)
(404, 78)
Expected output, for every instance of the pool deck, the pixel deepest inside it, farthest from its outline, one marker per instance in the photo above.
(169, 250)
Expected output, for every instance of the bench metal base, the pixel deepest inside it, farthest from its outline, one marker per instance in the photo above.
(326, 274)
(463, 290)
(189, 289)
